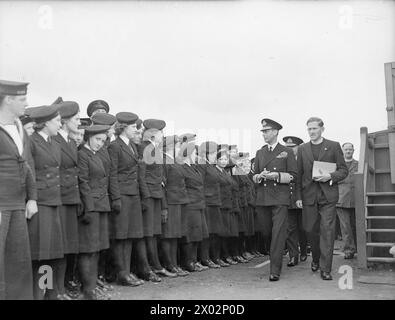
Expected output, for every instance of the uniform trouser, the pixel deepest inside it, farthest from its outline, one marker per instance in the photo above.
(275, 223)
(319, 221)
(16, 277)
(347, 226)
(296, 234)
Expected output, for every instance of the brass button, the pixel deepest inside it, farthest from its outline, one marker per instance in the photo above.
(264, 185)
(275, 184)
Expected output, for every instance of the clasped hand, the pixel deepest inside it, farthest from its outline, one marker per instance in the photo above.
(323, 178)
(268, 175)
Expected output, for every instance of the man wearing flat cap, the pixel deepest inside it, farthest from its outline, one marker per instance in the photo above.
(275, 168)
(297, 239)
(18, 194)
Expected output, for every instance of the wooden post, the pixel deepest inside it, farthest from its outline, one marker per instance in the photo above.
(389, 70)
(360, 219)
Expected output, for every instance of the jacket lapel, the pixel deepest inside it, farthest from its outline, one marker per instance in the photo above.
(323, 150)
(44, 144)
(126, 147)
(66, 148)
(269, 156)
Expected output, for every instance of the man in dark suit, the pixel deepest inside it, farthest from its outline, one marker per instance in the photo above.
(319, 195)
(18, 195)
(346, 203)
(275, 168)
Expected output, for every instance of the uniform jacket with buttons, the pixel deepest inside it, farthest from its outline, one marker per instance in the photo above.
(69, 190)
(46, 159)
(346, 187)
(212, 188)
(151, 171)
(194, 186)
(93, 182)
(307, 188)
(111, 171)
(124, 161)
(175, 187)
(281, 160)
(17, 183)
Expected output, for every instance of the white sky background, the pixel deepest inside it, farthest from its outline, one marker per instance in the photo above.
(219, 66)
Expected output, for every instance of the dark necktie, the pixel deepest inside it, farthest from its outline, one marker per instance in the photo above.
(270, 149)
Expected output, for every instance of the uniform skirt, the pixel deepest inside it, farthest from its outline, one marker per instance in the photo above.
(250, 230)
(94, 237)
(184, 221)
(230, 223)
(172, 228)
(46, 234)
(127, 224)
(214, 220)
(69, 218)
(196, 225)
(242, 219)
(234, 224)
(152, 217)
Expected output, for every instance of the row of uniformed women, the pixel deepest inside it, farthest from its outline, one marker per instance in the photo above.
(108, 200)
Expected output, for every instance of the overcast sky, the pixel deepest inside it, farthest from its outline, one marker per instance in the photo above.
(211, 67)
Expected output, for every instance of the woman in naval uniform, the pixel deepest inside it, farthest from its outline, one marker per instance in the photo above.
(45, 227)
(70, 194)
(93, 223)
(176, 196)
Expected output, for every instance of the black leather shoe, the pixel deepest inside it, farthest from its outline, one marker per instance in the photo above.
(128, 282)
(222, 263)
(303, 257)
(292, 262)
(165, 273)
(274, 277)
(150, 276)
(135, 278)
(326, 275)
(315, 266)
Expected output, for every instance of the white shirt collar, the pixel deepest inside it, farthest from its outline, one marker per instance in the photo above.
(125, 139)
(64, 134)
(89, 148)
(273, 145)
(44, 135)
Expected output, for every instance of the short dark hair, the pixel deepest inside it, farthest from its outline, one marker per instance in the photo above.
(315, 119)
(347, 143)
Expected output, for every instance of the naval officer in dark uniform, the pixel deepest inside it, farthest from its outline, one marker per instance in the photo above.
(297, 239)
(275, 168)
(18, 195)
